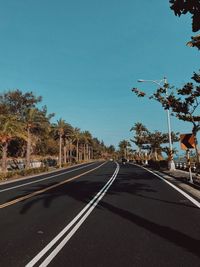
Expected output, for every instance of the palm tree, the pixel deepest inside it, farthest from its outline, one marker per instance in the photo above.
(87, 137)
(86, 143)
(97, 149)
(124, 145)
(35, 121)
(10, 127)
(62, 131)
(76, 138)
(155, 140)
(141, 135)
(67, 140)
(59, 132)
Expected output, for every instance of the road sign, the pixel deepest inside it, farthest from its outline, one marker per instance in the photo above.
(187, 141)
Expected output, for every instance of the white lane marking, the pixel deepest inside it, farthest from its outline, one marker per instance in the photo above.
(194, 201)
(88, 209)
(49, 177)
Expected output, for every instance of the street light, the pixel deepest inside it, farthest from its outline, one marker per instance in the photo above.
(171, 164)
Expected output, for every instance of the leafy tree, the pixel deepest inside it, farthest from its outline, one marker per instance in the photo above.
(156, 139)
(98, 148)
(10, 127)
(36, 122)
(181, 7)
(183, 102)
(24, 126)
(111, 150)
(22, 106)
(141, 135)
(17, 147)
(152, 140)
(16, 102)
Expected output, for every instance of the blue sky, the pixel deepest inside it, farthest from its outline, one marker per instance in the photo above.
(83, 58)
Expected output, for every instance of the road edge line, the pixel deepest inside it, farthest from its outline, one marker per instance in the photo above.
(194, 201)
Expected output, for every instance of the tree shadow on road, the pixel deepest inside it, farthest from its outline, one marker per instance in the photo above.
(131, 185)
(83, 190)
(174, 236)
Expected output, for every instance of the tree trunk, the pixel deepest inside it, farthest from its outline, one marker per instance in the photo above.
(156, 154)
(77, 150)
(84, 152)
(60, 152)
(65, 154)
(81, 152)
(89, 155)
(87, 152)
(70, 152)
(4, 157)
(28, 150)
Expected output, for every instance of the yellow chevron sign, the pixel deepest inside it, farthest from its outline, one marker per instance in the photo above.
(187, 141)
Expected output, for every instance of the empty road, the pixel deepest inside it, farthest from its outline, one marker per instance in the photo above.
(98, 214)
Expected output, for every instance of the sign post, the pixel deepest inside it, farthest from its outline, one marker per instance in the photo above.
(187, 143)
(189, 165)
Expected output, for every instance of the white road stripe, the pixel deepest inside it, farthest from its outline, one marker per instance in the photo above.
(88, 209)
(43, 179)
(194, 201)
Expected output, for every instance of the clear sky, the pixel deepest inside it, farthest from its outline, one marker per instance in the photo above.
(83, 58)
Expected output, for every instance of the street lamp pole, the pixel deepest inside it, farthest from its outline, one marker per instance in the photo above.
(171, 164)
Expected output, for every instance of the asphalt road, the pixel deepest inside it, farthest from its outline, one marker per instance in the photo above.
(99, 214)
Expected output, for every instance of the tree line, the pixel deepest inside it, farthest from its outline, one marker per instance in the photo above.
(150, 145)
(26, 132)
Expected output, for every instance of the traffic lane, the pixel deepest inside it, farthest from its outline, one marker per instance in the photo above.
(29, 179)
(16, 191)
(140, 222)
(28, 226)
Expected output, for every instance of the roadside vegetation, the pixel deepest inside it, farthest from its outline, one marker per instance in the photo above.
(28, 138)
(150, 146)
(183, 103)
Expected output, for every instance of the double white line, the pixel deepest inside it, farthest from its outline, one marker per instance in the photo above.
(72, 227)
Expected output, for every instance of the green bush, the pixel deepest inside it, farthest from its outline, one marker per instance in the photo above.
(21, 173)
